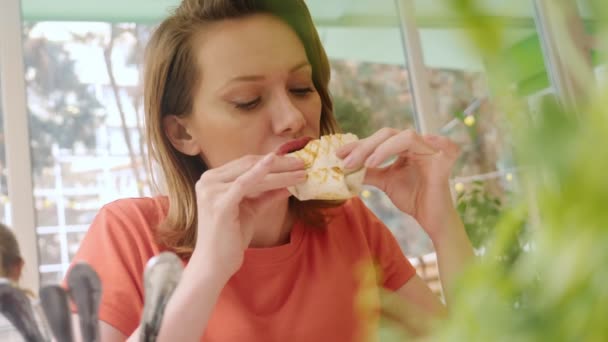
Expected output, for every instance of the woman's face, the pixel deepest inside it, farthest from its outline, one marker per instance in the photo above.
(256, 91)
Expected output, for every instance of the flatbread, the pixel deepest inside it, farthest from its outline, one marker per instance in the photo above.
(326, 177)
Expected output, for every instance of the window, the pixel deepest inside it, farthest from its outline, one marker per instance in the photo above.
(463, 108)
(80, 120)
(86, 127)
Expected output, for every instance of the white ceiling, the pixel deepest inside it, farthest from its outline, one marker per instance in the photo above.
(352, 29)
(322, 10)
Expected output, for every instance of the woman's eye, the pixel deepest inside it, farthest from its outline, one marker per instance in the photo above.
(247, 105)
(302, 91)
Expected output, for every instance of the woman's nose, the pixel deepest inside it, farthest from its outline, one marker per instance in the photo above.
(286, 117)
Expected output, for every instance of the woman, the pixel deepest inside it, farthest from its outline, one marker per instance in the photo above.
(227, 83)
(11, 267)
(11, 262)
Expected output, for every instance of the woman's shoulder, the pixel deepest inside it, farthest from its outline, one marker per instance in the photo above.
(131, 206)
(126, 229)
(131, 216)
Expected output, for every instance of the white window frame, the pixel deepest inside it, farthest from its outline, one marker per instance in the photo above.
(424, 108)
(17, 142)
(554, 21)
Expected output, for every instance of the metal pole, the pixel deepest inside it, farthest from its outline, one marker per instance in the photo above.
(424, 107)
(565, 49)
(17, 144)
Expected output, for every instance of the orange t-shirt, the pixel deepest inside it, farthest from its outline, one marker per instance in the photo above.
(305, 290)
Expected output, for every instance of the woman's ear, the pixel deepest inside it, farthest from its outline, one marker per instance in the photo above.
(176, 129)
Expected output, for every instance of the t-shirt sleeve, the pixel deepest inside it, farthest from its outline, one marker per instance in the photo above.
(110, 247)
(395, 268)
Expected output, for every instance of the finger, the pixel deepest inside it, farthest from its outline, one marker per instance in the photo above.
(262, 203)
(345, 150)
(365, 147)
(245, 182)
(274, 181)
(234, 169)
(375, 177)
(445, 144)
(405, 141)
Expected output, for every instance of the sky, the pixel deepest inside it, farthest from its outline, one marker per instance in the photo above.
(90, 66)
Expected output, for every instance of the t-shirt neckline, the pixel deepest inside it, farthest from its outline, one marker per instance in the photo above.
(273, 255)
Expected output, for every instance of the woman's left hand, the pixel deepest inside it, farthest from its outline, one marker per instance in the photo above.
(418, 181)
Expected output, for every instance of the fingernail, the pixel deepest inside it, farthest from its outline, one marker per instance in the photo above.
(302, 175)
(371, 161)
(297, 161)
(268, 158)
(349, 161)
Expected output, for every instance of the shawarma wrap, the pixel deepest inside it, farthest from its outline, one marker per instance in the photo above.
(327, 179)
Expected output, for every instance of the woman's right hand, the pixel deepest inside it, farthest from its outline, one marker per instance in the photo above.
(228, 198)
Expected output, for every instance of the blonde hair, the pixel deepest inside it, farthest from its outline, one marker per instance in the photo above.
(10, 255)
(171, 77)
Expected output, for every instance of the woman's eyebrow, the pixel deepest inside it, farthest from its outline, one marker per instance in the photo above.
(300, 65)
(255, 78)
(251, 78)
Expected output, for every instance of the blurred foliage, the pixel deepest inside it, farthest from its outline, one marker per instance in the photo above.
(555, 290)
(479, 210)
(62, 110)
(369, 96)
(352, 116)
(381, 90)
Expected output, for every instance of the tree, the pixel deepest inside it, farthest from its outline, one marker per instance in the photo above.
(132, 37)
(61, 109)
(115, 32)
(352, 116)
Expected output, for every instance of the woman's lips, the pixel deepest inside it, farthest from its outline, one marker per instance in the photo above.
(293, 145)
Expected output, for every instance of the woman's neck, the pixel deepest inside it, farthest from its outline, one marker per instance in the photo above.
(273, 226)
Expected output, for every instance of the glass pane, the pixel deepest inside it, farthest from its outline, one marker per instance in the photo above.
(74, 240)
(50, 248)
(485, 174)
(80, 122)
(81, 210)
(50, 278)
(46, 212)
(465, 113)
(370, 90)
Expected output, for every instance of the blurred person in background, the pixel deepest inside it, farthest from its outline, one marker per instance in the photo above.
(12, 263)
(11, 267)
